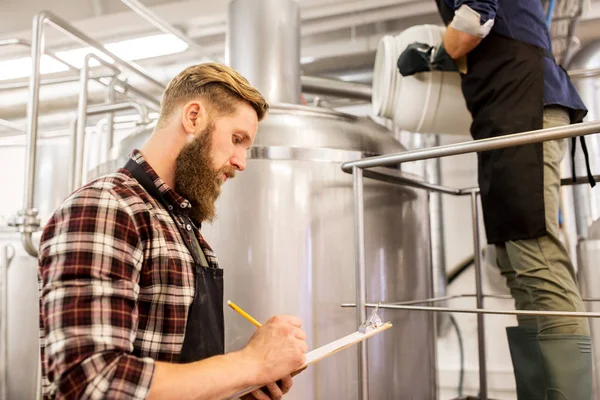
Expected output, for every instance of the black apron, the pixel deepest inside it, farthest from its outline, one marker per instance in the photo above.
(205, 327)
(504, 92)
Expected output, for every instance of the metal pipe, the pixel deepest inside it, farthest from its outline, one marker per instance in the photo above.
(33, 104)
(584, 73)
(72, 156)
(460, 296)
(385, 306)
(163, 25)
(395, 176)
(78, 137)
(579, 180)
(516, 139)
(116, 107)
(111, 98)
(479, 299)
(361, 284)
(82, 113)
(6, 255)
(337, 88)
(433, 174)
(62, 26)
(263, 44)
(49, 81)
(155, 104)
(30, 221)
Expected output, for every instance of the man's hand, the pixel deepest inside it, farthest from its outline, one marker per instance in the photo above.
(421, 57)
(272, 391)
(277, 349)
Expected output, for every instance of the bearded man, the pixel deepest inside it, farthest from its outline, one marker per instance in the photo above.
(131, 295)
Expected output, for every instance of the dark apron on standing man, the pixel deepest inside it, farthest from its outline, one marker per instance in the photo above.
(504, 92)
(205, 327)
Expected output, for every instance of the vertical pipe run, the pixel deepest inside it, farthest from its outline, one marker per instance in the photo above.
(361, 284)
(479, 297)
(111, 97)
(433, 174)
(6, 254)
(81, 123)
(33, 110)
(263, 44)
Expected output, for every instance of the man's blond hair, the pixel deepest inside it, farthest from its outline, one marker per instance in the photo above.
(219, 85)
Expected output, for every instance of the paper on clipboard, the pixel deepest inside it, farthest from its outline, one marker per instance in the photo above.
(326, 351)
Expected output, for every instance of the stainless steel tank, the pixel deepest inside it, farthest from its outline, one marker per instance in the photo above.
(21, 317)
(285, 236)
(588, 252)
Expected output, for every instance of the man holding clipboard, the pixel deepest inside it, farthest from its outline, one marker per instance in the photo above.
(131, 296)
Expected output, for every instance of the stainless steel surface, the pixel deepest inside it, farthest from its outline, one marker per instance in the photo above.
(361, 289)
(293, 254)
(517, 139)
(337, 88)
(6, 255)
(478, 310)
(288, 248)
(161, 24)
(263, 44)
(479, 298)
(22, 335)
(433, 174)
(588, 253)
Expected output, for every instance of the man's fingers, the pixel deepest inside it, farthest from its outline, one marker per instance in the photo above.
(275, 391)
(286, 384)
(260, 395)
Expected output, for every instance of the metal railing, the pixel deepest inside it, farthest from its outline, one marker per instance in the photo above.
(371, 168)
(28, 220)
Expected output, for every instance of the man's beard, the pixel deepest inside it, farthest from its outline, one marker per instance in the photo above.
(196, 179)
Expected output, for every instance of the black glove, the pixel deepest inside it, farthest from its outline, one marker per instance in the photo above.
(421, 57)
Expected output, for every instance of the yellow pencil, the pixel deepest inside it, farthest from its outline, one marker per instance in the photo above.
(243, 314)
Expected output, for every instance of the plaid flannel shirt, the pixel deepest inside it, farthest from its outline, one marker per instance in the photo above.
(116, 285)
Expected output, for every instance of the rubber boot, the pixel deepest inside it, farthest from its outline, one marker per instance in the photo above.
(567, 362)
(527, 363)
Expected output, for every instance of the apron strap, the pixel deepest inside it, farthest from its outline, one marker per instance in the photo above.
(585, 155)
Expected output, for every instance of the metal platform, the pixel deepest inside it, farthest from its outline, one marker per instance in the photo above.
(372, 168)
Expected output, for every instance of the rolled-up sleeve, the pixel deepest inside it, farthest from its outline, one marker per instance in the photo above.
(486, 9)
(90, 262)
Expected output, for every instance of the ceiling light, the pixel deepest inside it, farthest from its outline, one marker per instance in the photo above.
(128, 50)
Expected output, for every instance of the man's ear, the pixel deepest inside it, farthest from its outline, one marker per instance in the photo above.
(193, 117)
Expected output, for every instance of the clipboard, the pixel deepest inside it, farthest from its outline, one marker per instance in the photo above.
(327, 350)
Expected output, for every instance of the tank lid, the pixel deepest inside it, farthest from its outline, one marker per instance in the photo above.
(290, 125)
(316, 127)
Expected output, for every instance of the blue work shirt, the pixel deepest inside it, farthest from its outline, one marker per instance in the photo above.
(525, 20)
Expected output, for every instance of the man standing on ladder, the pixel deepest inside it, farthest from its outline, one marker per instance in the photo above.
(511, 83)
